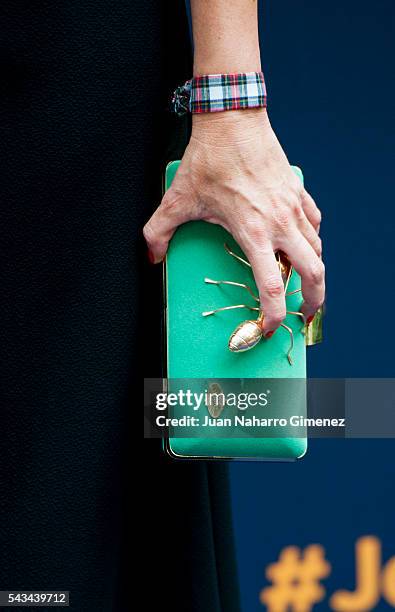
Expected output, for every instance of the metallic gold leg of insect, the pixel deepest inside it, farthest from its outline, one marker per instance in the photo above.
(244, 261)
(288, 279)
(299, 314)
(289, 330)
(207, 313)
(224, 282)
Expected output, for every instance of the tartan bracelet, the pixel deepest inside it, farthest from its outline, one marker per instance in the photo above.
(213, 93)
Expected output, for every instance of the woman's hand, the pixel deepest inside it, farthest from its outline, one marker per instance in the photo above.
(234, 173)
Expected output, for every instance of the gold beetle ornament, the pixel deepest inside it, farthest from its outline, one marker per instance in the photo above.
(249, 333)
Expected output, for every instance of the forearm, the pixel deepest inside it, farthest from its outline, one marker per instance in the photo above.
(225, 36)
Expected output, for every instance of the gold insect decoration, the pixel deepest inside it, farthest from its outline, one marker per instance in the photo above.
(249, 333)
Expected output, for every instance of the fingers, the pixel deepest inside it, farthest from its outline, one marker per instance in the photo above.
(311, 269)
(310, 234)
(311, 211)
(162, 225)
(269, 283)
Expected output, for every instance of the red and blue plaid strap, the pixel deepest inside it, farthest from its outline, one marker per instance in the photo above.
(220, 92)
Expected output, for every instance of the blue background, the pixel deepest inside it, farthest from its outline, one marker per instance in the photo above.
(330, 74)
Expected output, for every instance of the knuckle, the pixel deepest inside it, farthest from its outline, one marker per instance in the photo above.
(317, 272)
(318, 246)
(316, 303)
(169, 201)
(148, 233)
(177, 198)
(273, 286)
(297, 208)
(314, 211)
(317, 216)
(281, 219)
(256, 231)
(276, 318)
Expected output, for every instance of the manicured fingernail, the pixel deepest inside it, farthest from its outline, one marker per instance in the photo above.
(269, 334)
(309, 319)
(150, 256)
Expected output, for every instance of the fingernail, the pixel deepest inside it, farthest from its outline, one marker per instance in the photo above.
(309, 319)
(269, 334)
(150, 256)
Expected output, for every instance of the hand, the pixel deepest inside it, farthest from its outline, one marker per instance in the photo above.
(234, 173)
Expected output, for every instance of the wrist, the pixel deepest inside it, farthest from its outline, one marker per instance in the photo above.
(222, 128)
(227, 64)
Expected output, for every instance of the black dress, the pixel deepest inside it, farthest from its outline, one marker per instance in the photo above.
(84, 137)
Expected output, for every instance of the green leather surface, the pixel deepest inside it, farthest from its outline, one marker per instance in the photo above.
(197, 346)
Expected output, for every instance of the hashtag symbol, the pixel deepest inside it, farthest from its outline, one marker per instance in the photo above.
(296, 579)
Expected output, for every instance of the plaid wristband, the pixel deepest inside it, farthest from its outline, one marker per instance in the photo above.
(220, 92)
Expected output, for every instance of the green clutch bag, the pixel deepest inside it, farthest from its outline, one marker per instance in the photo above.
(197, 346)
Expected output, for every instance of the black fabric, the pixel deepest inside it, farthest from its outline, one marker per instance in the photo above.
(84, 130)
(191, 563)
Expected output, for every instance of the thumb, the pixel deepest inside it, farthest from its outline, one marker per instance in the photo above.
(162, 225)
